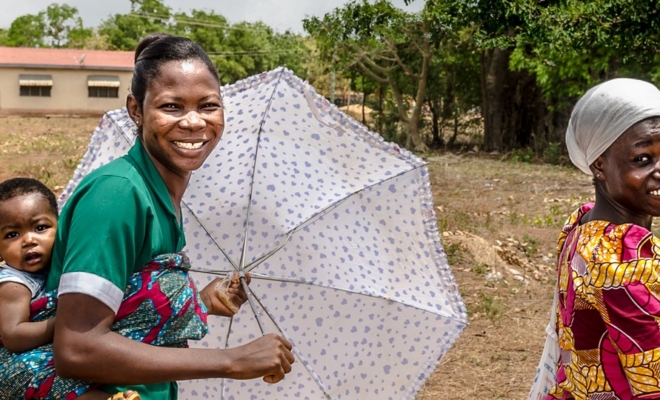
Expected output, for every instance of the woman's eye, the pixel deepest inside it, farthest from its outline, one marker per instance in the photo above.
(211, 106)
(642, 159)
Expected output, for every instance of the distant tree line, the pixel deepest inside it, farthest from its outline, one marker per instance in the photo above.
(521, 64)
(509, 70)
(238, 50)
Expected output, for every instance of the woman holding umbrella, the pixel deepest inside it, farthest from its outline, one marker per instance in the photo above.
(608, 309)
(126, 213)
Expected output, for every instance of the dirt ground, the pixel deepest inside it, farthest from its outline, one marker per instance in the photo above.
(500, 220)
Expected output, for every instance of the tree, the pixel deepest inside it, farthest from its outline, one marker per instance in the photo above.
(124, 31)
(570, 46)
(64, 25)
(454, 92)
(291, 51)
(4, 38)
(538, 57)
(388, 45)
(509, 98)
(27, 31)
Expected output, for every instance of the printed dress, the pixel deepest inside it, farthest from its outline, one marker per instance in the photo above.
(608, 311)
(160, 307)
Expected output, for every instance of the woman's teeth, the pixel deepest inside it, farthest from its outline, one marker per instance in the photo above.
(656, 192)
(189, 146)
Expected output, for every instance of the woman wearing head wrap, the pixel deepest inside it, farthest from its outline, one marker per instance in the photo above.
(608, 309)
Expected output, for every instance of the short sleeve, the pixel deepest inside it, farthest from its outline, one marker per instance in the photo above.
(9, 275)
(105, 233)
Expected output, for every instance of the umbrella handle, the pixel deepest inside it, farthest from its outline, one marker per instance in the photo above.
(253, 306)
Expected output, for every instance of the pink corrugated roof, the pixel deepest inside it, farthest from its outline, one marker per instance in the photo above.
(66, 58)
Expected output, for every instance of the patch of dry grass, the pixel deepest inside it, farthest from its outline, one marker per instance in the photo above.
(493, 200)
(48, 149)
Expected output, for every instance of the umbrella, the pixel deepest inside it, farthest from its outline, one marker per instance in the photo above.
(337, 229)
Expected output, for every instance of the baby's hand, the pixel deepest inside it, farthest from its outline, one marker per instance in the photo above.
(222, 291)
(224, 296)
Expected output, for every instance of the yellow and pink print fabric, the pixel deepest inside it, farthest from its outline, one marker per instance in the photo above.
(608, 311)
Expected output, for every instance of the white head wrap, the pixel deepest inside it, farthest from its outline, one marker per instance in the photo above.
(604, 113)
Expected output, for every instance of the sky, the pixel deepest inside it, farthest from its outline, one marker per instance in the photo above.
(278, 14)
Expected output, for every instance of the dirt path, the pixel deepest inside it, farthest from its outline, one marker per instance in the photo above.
(501, 221)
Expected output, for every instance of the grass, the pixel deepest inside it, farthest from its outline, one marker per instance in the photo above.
(488, 305)
(48, 149)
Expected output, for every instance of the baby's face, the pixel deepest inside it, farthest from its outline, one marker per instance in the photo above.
(27, 232)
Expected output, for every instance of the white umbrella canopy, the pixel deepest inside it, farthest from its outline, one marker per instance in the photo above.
(338, 231)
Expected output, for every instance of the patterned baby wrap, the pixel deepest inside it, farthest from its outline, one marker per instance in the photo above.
(161, 307)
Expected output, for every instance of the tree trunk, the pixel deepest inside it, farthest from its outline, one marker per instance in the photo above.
(496, 74)
(438, 140)
(510, 104)
(364, 103)
(484, 96)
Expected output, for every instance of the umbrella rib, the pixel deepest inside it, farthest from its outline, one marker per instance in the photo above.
(231, 261)
(314, 376)
(332, 206)
(301, 282)
(254, 170)
(241, 267)
(289, 280)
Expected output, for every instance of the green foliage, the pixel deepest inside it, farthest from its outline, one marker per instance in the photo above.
(480, 269)
(531, 245)
(453, 252)
(525, 155)
(124, 31)
(488, 305)
(57, 26)
(410, 56)
(571, 45)
(552, 154)
(63, 24)
(27, 31)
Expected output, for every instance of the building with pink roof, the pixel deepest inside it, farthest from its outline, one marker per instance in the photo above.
(63, 81)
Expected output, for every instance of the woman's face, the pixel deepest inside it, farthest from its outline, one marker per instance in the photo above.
(631, 170)
(182, 117)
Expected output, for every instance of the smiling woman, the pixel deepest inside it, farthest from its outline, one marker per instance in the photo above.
(608, 296)
(117, 258)
(180, 119)
(134, 206)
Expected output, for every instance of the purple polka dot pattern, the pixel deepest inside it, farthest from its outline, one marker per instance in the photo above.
(338, 230)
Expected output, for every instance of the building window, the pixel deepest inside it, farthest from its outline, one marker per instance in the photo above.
(103, 86)
(35, 85)
(95, 91)
(37, 91)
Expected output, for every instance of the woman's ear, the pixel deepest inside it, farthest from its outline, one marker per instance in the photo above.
(134, 110)
(597, 169)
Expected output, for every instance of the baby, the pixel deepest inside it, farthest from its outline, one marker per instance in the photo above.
(28, 221)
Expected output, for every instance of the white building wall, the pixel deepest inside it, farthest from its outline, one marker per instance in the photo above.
(69, 93)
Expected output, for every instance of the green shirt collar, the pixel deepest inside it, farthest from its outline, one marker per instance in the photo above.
(140, 159)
